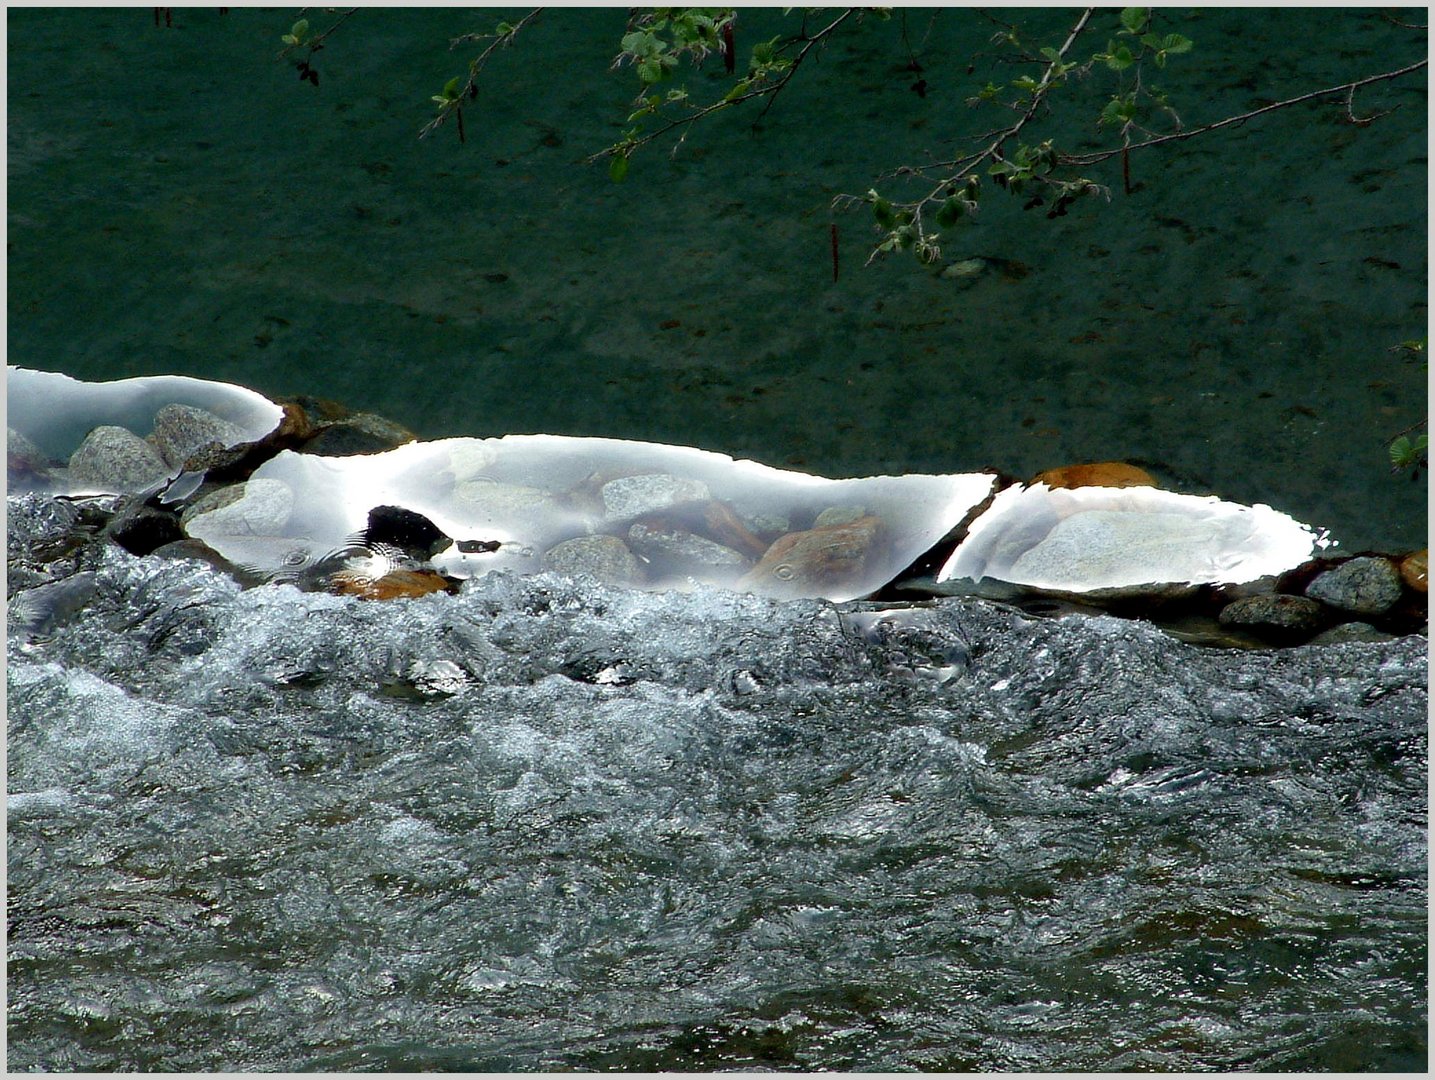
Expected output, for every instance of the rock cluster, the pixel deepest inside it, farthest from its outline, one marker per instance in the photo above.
(657, 529)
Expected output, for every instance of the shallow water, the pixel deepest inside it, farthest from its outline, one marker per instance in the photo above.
(544, 824)
(1227, 325)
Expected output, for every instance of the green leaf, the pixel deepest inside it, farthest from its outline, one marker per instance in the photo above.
(883, 212)
(1175, 43)
(1134, 19)
(503, 29)
(618, 168)
(741, 87)
(299, 29)
(1051, 54)
(650, 71)
(951, 212)
(450, 89)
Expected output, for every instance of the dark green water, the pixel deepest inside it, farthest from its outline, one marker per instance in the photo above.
(180, 202)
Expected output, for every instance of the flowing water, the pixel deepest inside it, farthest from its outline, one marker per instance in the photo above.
(548, 825)
(551, 825)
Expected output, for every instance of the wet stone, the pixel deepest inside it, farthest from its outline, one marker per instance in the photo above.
(1361, 586)
(181, 430)
(116, 459)
(1115, 474)
(362, 433)
(27, 465)
(606, 558)
(687, 552)
(1415, 570)
(838, 515)
(254, 508)
(1276, 615)
(1351, 631)
(631, 497)
(815, 562)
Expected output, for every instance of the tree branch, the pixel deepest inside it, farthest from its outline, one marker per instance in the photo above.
(1350, 87)
(771, 91)
(475, 69)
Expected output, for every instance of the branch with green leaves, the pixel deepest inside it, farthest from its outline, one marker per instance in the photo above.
(458, 90)
(1407, 452)
(657, 42)
(299, 37)
(1048, 175)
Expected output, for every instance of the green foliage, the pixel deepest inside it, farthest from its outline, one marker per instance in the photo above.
(1406, 453)
(297, 33)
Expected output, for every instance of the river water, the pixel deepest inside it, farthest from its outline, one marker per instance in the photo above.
(549, 825)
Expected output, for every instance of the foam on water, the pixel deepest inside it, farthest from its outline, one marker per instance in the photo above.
(550, 824)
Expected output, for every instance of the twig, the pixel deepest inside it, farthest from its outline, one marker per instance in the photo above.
(772, 89)
(1092, 159)
(314, 44)
(475, 68)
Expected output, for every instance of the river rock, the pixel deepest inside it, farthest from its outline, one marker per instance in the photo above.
(676, 550)
(1351, 631)
(181, 430)
(838, 515)
(1276, 615)
(116, 459)
(631, 497)
(362, 433)
(510, 505)
(1368, 585)
(606, 558)
(254, 508)
(816, 561)
(27, 465)
(1415, 570)
(1116, 474)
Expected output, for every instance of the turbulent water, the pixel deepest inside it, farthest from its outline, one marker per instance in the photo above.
(549, 825)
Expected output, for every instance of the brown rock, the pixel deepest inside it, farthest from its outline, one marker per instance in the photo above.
(817, 562)
(1415, 569)
(1277, 616)
(727, 528)
(1116, 474)
(395, 584)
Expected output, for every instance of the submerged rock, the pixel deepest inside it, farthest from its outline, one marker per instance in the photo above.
(1362, 586)
(116, 459)
(676, 551)
(181, 430)
(1415, 570)
(631, 497)
(816, 561)
(606, 558)
(1279, 616)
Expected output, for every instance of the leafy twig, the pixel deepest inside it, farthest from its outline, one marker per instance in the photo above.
(454, 95)
(1350, 87)
(770, 90)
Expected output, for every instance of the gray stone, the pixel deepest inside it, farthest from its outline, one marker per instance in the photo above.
(1276, 615)
(180, 430)
(631, 497)
(606, 558)
(116, 459)
(254, 508)
(1364, 586)
(1351, 631)
(688, 553)
(362, 433)
(839, 515)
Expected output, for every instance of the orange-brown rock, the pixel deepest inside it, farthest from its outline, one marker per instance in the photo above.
(1116, 474)
(1415, 570)
(816, 562)
(726, 528)
(392, 586)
